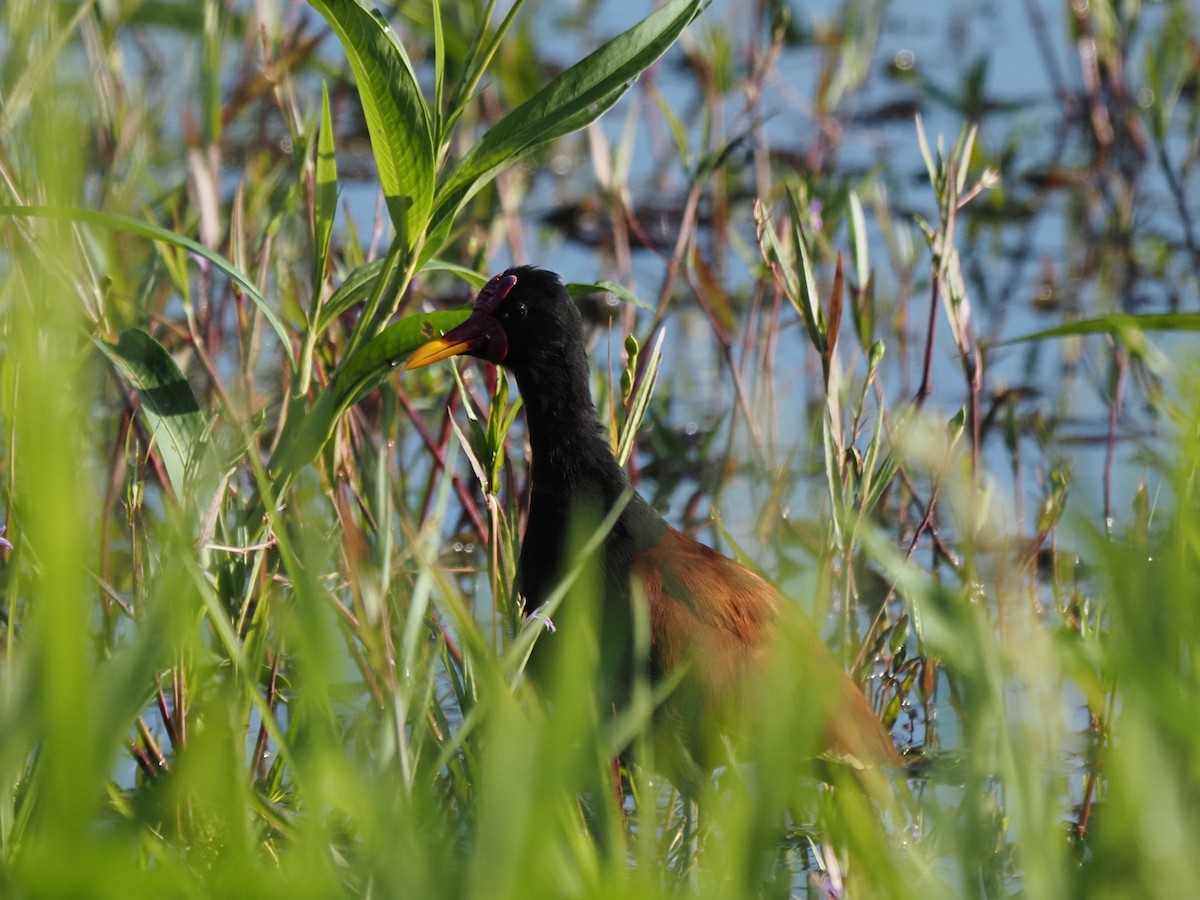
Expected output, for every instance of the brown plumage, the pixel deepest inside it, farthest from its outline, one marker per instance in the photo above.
(705, 608)
(708, 615)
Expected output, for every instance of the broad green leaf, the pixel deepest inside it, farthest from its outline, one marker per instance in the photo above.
(358, 285)
(364, 370)
(173, 416)
(155, 233)
(574, 99)
(379, 356)
(396, 114)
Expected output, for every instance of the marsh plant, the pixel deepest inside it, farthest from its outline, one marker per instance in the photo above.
(919, 350)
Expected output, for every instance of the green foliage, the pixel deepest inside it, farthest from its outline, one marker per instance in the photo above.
(173, 416)
(397, 115)
(257, 631)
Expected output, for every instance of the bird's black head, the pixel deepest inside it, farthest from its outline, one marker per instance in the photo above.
(523, 320)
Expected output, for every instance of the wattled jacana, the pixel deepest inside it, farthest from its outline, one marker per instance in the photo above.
(706, 613)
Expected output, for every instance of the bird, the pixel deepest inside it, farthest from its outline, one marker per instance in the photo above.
(713, 623)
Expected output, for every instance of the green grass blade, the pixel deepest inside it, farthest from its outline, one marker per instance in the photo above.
(1116, 324)
(23, 90)
(439, 72)
(468, 275)
(478, 58)
(807, 300)
(325, 201)
(641, 401)
(354, 289)
(133, 226)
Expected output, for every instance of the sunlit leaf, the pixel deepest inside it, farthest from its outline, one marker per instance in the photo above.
(396, 114)
(574, 99)
(358, 375)
(385, 351)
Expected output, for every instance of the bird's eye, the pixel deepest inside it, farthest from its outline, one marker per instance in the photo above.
(517, 312)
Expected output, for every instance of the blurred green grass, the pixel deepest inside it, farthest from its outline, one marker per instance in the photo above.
(237, 655)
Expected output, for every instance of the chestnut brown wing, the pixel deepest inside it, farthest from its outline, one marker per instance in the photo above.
(705, 611)
(717, 617)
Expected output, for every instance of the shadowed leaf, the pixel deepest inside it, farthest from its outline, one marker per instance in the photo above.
(173, 416)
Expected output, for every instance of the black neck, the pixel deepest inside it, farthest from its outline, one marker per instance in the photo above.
(574, 472)
(570, 453)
